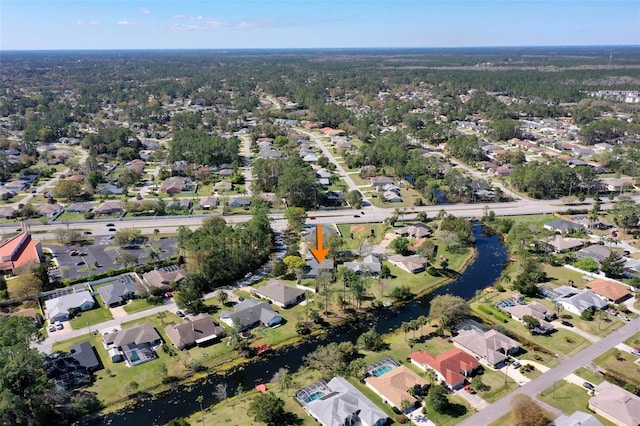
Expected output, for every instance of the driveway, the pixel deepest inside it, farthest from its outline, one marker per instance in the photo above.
(417, 418)
(590, 337)
(473, 399)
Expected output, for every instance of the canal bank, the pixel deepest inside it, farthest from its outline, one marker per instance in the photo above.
(491, 257)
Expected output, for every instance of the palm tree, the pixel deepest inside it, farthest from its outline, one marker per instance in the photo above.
(222, 297)
(200, 398)
(285, 382)
(406, 327)
(161, 316)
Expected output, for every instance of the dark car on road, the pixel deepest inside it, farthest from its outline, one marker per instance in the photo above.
(567, 324)
(110, 224)
(588, 386)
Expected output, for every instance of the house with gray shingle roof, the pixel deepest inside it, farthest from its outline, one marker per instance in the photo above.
(117, 293)
(250, 313)
(280, 293)
(576, 301)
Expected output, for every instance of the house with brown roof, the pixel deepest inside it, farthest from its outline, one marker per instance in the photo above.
(490, 347)
(223, 186)
(610, 290)
(280, 293)
(134, 345)
(175, 185)
(201, 330)
(616, 404)
(419, 230)
(536, 310)
(452, 367)
(559, 244)
(109, 207)
(163, 278)
(413, 264)
(19, 251)
(393, 386)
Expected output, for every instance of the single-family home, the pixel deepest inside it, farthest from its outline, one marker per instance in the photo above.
(164, 278)
(8, 213)
(451, 367)
(324, 177)
(65, 372)
(225, 172)
(379, 181)
(313, 268)
(612, 291)
(615, 404)
(179, 168)
(419, 230)
(134, 345)
(576, 301)
(535, 310)
(83, 207)
(208, 203)
(6, 194)
(578, 418)
(490, 347)
(49, 210)
(599, 253)
(369, 265)
(18, 252)
(175, 185)
(223, 186)
(393, 386)
(590, 222)
(86, 356)
(61, 308)
(339, 403)
(110, 189)
(250, 313)
(563, 226)
(413, 264)
(392, 197)
(280, 294)
(110, 208)
(201, 330)
(239, 202)
(560, 244)
(117, 293)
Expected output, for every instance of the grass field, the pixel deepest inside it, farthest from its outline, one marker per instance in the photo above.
(623, 365)
(92, 317)
(498, 387)
(569, 398)
(138, 305)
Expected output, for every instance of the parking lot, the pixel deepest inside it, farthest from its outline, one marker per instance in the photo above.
(76, 261)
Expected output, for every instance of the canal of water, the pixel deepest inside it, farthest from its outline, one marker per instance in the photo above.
(181, 402)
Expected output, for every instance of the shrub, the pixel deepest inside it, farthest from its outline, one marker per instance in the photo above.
(401, 419)
(485, 309)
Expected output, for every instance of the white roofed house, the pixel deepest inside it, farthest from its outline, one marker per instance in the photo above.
(535, 310)
(61, 308)
(577, 301)
(490, 347)
(250, 313)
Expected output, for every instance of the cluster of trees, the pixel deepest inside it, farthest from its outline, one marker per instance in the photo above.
(290, 178)
(116, 141)
(218, 253)
(553, 179)
(200, 147)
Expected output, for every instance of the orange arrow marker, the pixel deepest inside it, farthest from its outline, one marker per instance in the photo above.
(319, 253)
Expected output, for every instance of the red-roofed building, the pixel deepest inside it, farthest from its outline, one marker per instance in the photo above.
(19, 251)
(451, 367)
(612, 291)
(331, 132)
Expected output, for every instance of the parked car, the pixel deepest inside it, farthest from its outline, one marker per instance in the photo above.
(516, 364)
(168, 294)
(73, 253)
(110, 224)
(112, 229)
(635, 351)
(567, 324)
(469, 389)
(59, 325)
(180, 314)
(588, 386)
(51, 328)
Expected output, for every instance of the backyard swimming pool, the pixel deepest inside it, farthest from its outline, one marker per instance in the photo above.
(313, 397)
(380, 371)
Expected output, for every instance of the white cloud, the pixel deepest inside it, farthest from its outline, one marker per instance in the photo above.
(126, 23)
(145, 11)
(86, 22)
(178, 16)
(184, 27)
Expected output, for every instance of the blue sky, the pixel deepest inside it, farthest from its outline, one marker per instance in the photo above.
(228, 24)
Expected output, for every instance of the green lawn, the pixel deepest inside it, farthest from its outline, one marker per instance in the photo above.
(589, 375)
(633, 341)
(69, 216)
(569, 398)
(92, 317)
(138, 305)
(624, 365)
(498, 386)
(541, 357)
(462, 410)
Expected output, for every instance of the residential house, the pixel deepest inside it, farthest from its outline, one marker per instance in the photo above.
(176, 185)
(310, 158)
(201, 330)
(180, 204)
(280, 294)
(578, 418)
(535, 310)
(18, 252)
(451, 367)
(134, 345)
(591, 223)
(225, 173)
(393, 386)
(271, 198)
(8, 213)
(239, 202)
(49, 210)
(86, 356)
(379, 181)
(110, 189)
(111, 207)
(576, 301)
(490, 347)
(369, 265)
(6, 194)
(324, 177)
(250, 313)
(599, 253)
(61, 308)
(563, 226)
(208, 203)
(559, 244)
(418, 230)
(179, 168)
(117, 293)
(413, 264)
(391, 197)
(313, 268)
(341, 404)
(616, 404)
(612, 291)
(79, 207)
(65, 372)
(223, 186)
(164, 278)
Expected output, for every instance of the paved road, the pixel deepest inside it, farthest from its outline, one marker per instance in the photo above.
(246, 151)
(534, 387)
